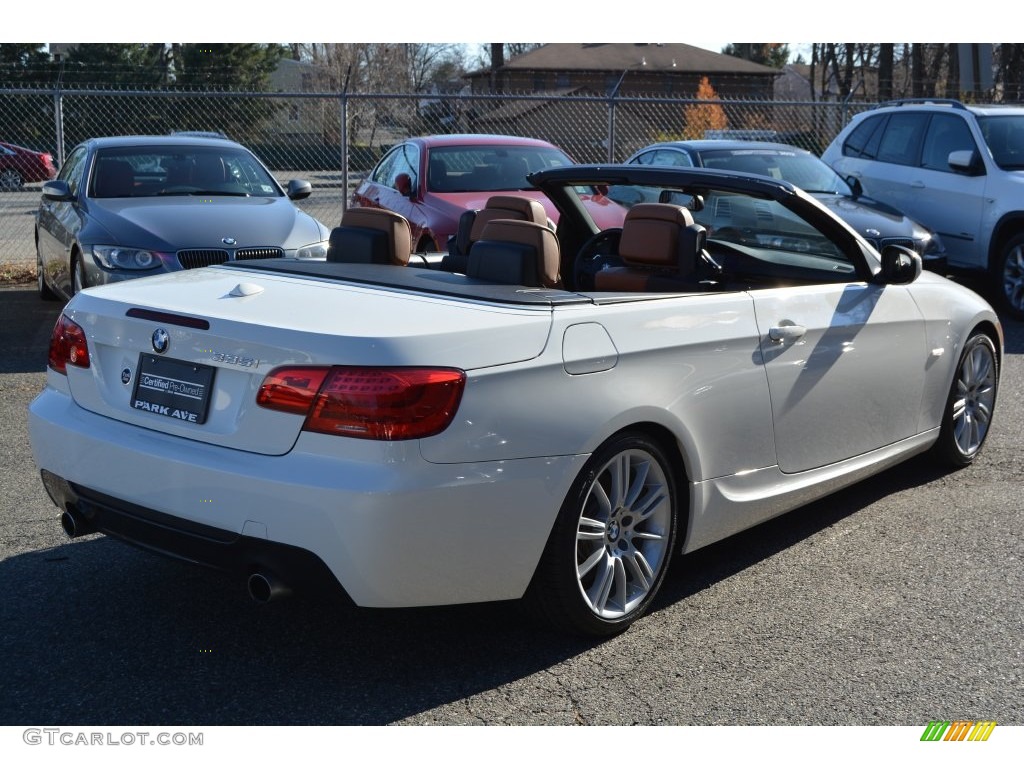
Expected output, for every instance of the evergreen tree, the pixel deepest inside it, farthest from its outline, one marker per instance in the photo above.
(770, 54)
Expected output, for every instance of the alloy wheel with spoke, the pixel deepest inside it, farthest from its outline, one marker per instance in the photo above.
(1009, 277)
(971, 403)
(976, 394)
(622, 534)
(609, 550)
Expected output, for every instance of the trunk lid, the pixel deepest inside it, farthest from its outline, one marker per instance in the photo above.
(220, 345)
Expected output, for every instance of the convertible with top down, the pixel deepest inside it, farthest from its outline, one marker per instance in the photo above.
(549, 419)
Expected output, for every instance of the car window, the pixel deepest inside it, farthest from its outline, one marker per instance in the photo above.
(384, 170)
(405, 158)
(902, 139)
(799, 168)
(864, 139)
(489, 168)
(644, 158)
(664, 157)
(71, 172)
(946, 133)
(1004, 135)
(157, 171)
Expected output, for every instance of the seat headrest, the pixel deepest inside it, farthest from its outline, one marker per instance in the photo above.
(114, 178)
(209, 169)
(371, 236)
(651, 234)
(506, 207)
(516, 253)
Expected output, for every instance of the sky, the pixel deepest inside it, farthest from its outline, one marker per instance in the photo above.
(447, 21)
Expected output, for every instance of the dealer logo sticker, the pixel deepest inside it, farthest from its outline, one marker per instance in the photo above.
(161, 340)
(126, 376)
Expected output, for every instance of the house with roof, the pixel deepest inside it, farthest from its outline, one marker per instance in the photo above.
(634, 69)
(578, 80)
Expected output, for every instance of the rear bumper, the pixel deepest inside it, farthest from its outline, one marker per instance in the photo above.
(393, 529)
(193, 542)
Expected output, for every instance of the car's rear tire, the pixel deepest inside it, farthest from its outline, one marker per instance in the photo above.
(970, 404)
(611, 544)
(1009, 277)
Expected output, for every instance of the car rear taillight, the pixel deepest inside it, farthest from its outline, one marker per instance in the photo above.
(371, 403)
(68, 346)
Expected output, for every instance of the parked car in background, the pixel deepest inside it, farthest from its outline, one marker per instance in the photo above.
(880, 224)
(433, 180)
(20, 166)
(409, 437)
(956, 168)
(131, 206)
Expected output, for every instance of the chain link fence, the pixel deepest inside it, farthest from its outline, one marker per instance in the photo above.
(334, 139)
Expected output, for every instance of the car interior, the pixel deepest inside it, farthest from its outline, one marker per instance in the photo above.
(727, 242)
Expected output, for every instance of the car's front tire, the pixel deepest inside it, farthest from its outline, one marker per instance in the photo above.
(10, 180)
(970, 404)
(44, 290)
(611, 544)
(1009, 277)
(77, 274)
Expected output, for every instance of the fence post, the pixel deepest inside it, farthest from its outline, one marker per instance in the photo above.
(343, 103)
(58, 120)
(611, 117)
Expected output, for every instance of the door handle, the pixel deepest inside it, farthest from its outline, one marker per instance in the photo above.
(780, 334)
(917, 185)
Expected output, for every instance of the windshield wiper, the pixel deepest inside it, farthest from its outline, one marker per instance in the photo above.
(217, 193)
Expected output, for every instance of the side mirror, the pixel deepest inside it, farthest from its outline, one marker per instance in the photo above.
(900, 266)
(855, 186)
(58, 191)
(299, 189)
(966, 161)
(403, 183)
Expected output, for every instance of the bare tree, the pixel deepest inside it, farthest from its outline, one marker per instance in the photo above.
(886, 60)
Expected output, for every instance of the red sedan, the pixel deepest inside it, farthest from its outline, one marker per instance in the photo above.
(432, 180)
(19, 166)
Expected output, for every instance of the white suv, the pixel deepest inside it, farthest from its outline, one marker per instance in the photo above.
(956, 168)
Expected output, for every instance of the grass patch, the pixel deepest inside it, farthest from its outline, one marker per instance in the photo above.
(17, 274)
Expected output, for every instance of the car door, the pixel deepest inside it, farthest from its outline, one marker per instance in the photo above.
(845, 366)
(60, 222)
(949, 202)
(845, 358)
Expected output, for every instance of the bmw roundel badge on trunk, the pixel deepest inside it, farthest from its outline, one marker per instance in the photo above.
(161, 340)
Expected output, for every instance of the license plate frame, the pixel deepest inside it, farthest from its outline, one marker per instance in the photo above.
(173, 388)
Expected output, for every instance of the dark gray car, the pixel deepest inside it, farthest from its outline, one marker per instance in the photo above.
(878, 223)
(132, 206)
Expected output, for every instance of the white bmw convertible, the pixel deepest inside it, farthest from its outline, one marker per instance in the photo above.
(550, 422)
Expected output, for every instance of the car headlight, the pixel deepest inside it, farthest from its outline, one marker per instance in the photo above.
(313, 251)
(116, 257)
(930, 243)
